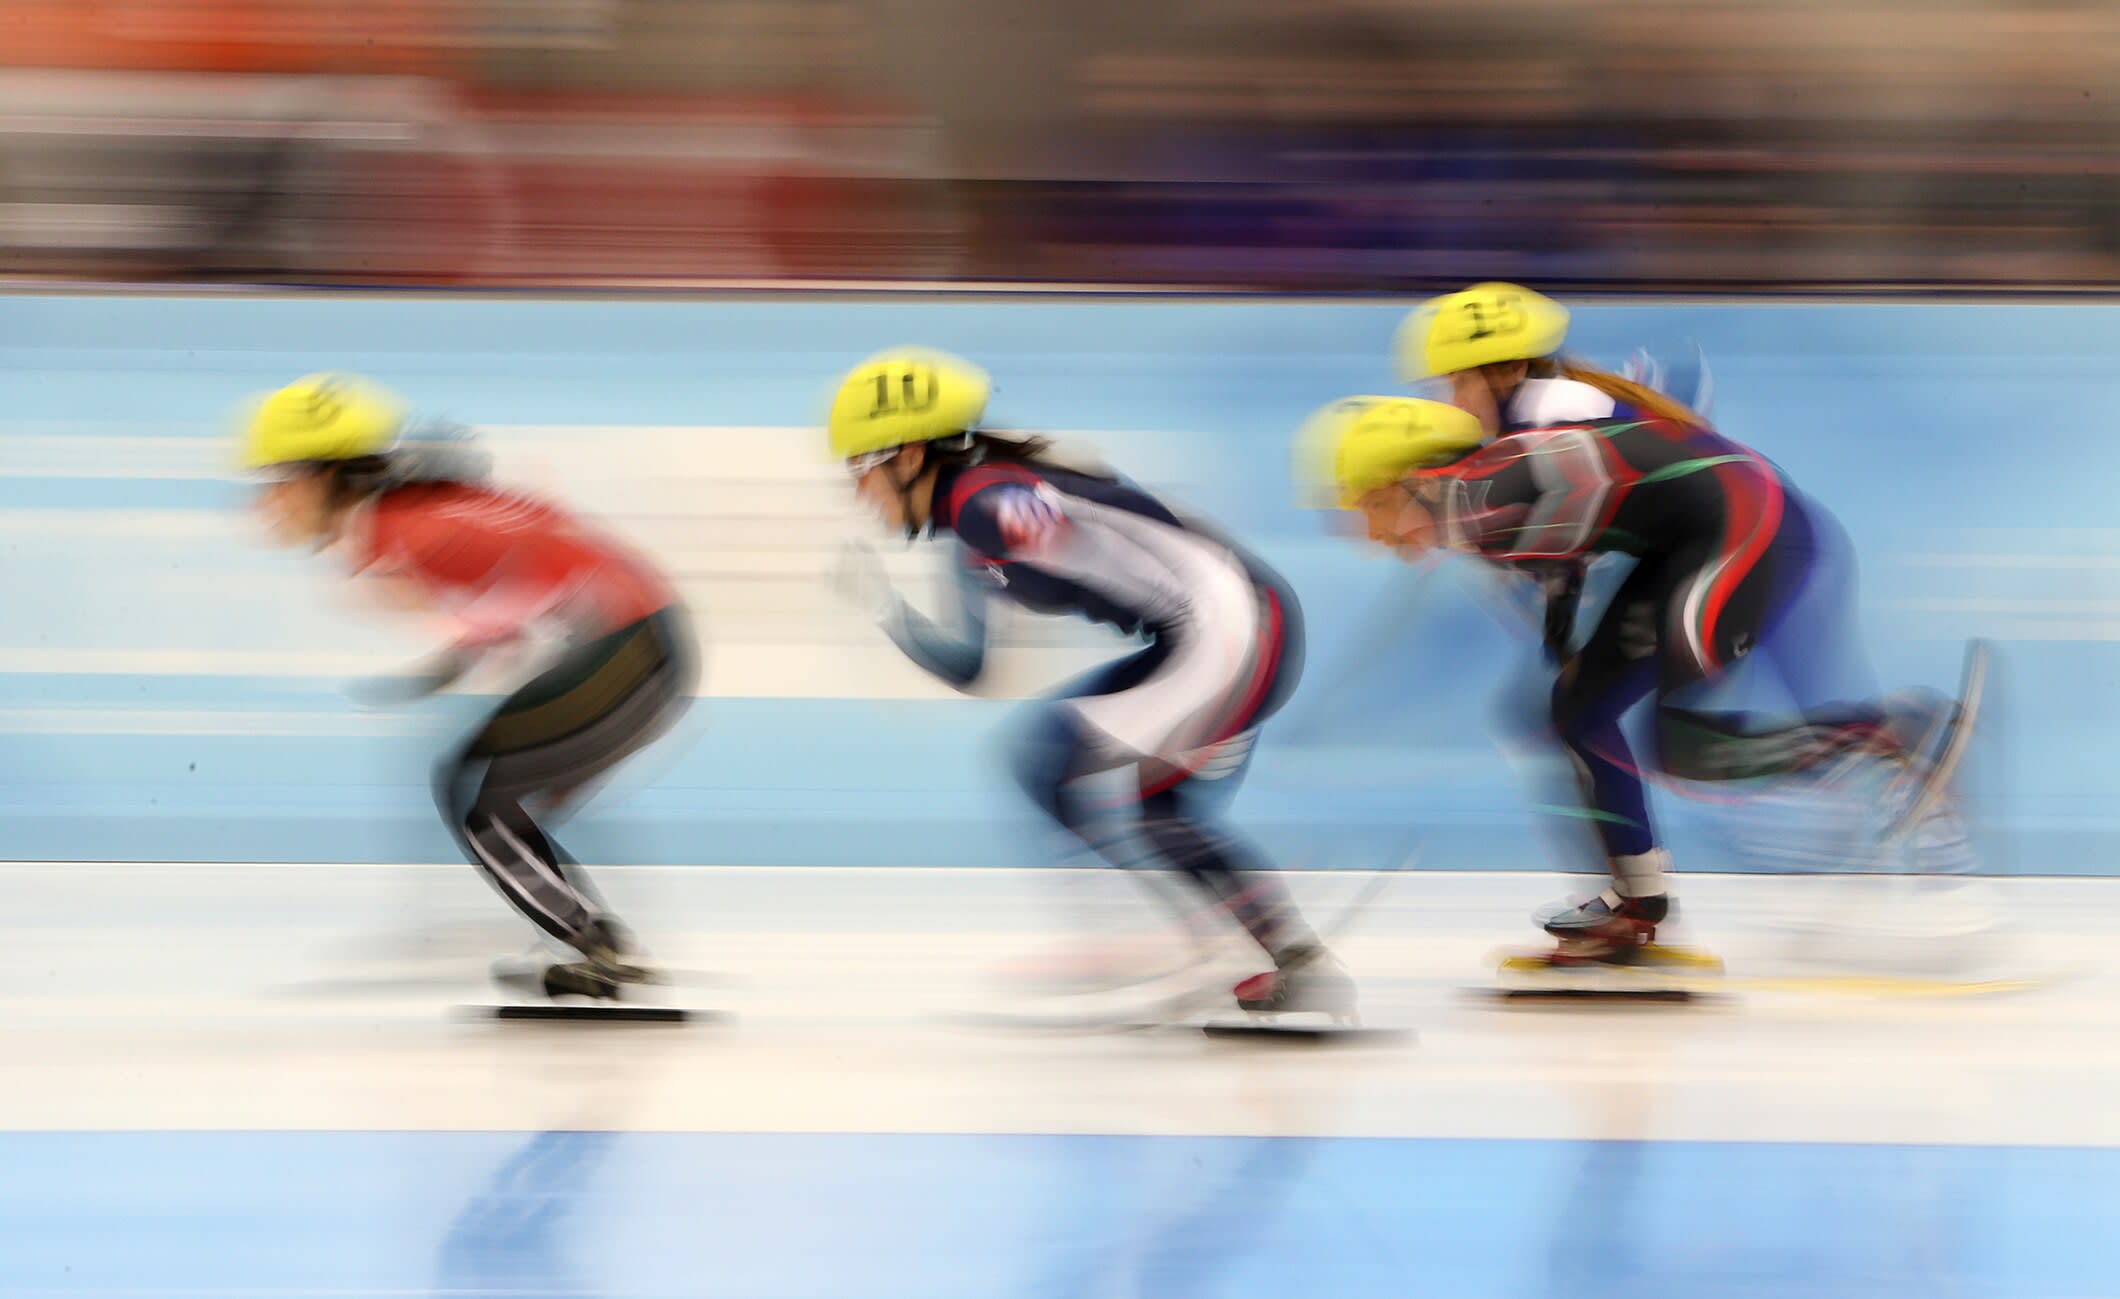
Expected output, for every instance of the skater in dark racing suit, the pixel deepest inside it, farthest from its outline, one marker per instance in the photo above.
(416, 517)
(1223, 638)
(1723, 550)
(1497, 346)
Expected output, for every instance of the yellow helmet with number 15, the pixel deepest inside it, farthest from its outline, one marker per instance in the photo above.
(1483, 325)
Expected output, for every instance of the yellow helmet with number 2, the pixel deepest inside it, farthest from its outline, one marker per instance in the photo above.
(1483, 325)
(905, 395)
(1359, 444)
(321, 417)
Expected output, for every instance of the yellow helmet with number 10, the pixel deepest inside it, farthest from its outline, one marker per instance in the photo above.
(1483, 325)
(321, 417)
(1358, 444)
(902, 396)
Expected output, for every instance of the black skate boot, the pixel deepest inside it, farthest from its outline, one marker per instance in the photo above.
(535, 974)
(607, 947)
(605, 967)
(579, 979)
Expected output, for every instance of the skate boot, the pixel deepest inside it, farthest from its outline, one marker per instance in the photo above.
(608, 948)
(605, 966)
(578, 979)
(1606, 929)
(1305, 978)
(1931, 765)
(1921, 734)
(536, 974)
(1606, 946)
(1907, 735)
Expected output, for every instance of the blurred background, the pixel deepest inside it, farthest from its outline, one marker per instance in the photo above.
(631, 242)
(1251, 166)
(1314, 145)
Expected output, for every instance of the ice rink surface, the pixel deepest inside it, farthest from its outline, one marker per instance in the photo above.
(251, 1081)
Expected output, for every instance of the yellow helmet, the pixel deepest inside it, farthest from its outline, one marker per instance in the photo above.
(1482, 325)
(905, 395)
(321, 417)
(1358, 444)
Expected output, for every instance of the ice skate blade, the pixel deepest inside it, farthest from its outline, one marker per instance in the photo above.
(1660, 974)
(1519, 994)
(1652, 956)
(1298, 1027)
(1931, 786)
(590, 1013)
(1652, 960)
(1896, 987)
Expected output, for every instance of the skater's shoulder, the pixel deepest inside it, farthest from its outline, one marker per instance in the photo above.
(1003, 510)
(417, 506)
(1544, 403)
(1013, 509)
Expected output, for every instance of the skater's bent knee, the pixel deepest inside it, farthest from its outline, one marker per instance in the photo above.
(1045, 761)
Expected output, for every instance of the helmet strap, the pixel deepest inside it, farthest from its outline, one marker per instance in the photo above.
(1417, 492)
(1424, 498)
(906, 490)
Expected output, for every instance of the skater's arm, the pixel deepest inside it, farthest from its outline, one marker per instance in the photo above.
(952, 647)
(519, 580)
(506, 612)
(956, 654)
(1538, 496)
(1006, 519)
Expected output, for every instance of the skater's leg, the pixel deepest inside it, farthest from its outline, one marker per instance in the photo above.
(1170, 824)
(1170, 819)
(1813, 639)
(569, 726)
(524, 865)
(1679, 621)
(1181, 825)
(1615, 669)
(1180, 822)
(1798, 604)
(1054, 764)
(1055, 753)
(1181, 809)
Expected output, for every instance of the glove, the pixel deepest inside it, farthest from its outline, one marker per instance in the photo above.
(857, 577)
(430, 676)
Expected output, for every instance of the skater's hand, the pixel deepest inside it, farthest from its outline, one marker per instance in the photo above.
(428, 677)
(857, 577)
